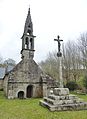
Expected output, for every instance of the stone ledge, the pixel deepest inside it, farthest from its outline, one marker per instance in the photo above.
(61, 91)
(65, 107)
(60, 100)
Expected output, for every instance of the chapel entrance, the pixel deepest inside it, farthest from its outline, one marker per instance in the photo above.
(21, 95)
(29, 91)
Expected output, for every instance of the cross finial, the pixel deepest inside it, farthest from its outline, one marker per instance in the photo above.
(29, 10)
(59, 54)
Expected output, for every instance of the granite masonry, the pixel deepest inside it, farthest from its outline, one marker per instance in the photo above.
(59, 99)
(26, 79)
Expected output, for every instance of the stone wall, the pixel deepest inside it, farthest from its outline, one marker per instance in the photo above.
(1, 84)
(15, 88)
(26, 73)
(5, 85)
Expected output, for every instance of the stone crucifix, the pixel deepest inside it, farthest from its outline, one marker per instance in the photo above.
(59, 55)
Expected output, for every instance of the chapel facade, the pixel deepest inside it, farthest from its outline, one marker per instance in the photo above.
(26, 79)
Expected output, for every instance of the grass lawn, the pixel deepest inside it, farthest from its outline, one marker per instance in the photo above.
(30, 109)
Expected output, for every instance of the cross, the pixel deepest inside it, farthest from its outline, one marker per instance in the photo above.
(59, 54)
(58, 40)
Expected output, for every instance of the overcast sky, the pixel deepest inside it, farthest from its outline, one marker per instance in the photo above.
(67, 18)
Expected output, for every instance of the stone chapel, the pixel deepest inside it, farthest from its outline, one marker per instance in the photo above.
(26, 79)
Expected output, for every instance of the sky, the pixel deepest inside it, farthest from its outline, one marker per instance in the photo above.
(67, 18)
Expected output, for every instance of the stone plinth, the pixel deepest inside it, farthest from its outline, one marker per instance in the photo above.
(61, 91)
(60, 100)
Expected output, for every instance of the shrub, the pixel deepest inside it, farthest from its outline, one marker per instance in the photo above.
(85, 81)
(72, 85)
(1, 89)
(80, 83)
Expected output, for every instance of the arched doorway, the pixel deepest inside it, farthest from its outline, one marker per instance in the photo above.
(20, 94)
(29, 91)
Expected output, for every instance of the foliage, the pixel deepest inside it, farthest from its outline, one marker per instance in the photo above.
(30, 109)
(10, 61)
(50, 65)
(80, 83)
(72, 85)
(82, 44)
(85, 81)
(1, 89)
(1, 59)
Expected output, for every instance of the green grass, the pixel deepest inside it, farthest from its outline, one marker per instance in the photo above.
(30, 109)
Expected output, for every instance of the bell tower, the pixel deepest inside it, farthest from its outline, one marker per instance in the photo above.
(28, 39)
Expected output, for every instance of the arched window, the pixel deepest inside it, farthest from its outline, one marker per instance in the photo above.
(26, 40)
(31, 43)
(26, 43)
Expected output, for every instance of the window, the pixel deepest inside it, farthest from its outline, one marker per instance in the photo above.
(26, 43)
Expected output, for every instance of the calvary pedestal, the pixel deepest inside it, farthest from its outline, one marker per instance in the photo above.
(61, 100)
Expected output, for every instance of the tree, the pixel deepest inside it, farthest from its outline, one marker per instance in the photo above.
(71, 61)
(85, 82)
(10, 61)
(82, 44)
(50, 65)
(1, 59)
(72, 85)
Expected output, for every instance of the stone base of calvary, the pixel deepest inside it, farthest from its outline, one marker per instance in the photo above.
(61, 100)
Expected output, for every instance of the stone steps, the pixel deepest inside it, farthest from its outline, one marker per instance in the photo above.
(66, 97)
(65, 107)
(50, 101)
(47, 105)
(62, 101)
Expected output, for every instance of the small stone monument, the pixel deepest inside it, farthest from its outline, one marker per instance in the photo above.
(59, 99)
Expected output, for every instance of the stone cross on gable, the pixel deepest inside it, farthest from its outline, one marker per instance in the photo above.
(59, 54)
